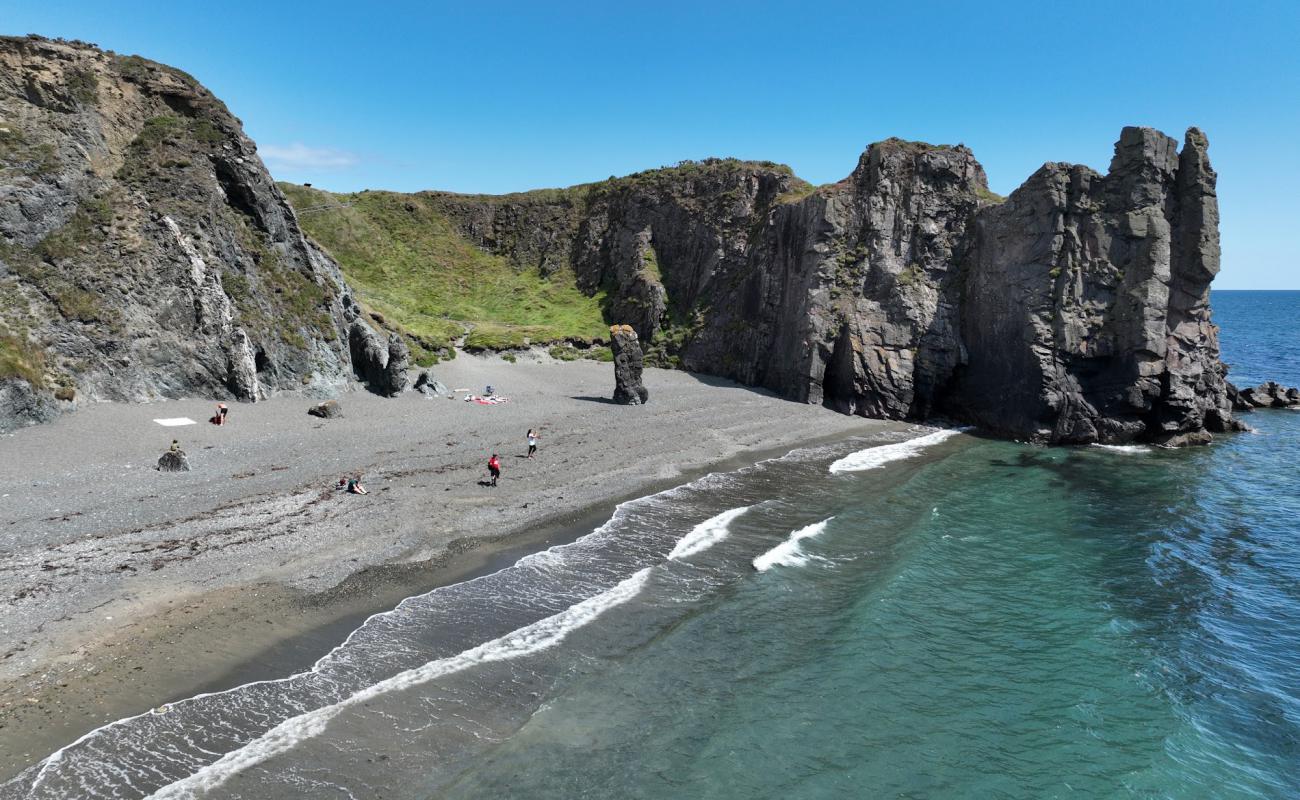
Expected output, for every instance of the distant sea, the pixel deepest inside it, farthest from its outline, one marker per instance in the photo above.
(954, 617)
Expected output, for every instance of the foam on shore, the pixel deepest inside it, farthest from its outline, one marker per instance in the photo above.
(1127, 449)
(706, 534)
(534, 638)
(790, 553)
(877, 457)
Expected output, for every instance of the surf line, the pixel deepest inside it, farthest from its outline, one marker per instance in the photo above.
(530, 639)
(790, 553)
(706, 534)
(879, 456)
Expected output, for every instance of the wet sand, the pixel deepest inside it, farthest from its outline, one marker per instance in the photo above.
(125, 588)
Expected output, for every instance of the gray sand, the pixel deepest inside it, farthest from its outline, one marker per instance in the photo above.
(126, 587)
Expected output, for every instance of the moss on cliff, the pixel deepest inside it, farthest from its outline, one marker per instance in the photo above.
(408, 263)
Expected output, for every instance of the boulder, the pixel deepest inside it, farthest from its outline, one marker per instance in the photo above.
(1267, 395)
(628, 364)
(429, 386)
(330, 409)
(174, 461)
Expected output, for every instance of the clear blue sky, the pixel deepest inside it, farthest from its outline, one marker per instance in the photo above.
(495, 97)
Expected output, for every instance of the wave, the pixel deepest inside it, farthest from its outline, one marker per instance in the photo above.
(877, 457)
(132, 756)
(1127, 449)
(706, 534)
(790, 553)
(526, 641)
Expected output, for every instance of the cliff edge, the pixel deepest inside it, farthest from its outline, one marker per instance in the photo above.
(144, 250)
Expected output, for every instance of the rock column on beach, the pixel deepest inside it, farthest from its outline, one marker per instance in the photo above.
(628, 388)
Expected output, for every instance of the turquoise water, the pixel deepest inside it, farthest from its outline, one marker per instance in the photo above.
(956, 617)
(1003, 623)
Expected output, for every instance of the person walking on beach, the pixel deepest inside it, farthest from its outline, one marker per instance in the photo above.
(532, 442)
(494, 467)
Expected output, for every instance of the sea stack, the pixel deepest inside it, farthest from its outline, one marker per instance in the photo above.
(628, 388)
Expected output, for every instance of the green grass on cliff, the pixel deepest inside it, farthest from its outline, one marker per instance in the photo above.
(20, 359)
(409, 264)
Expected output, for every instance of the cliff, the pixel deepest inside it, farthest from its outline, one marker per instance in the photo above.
(144, 250)
(1074, 311)
(146, 253)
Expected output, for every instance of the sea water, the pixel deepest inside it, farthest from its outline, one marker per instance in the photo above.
(952, 616)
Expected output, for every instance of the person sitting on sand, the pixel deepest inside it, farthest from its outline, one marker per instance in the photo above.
(532, 442)
(355, 487)
(494, 467)
(176, 446)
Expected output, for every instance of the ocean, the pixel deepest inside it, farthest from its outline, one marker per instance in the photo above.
(948, 617)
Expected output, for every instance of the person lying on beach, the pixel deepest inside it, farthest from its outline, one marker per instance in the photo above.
(494, 467)
(355, 487)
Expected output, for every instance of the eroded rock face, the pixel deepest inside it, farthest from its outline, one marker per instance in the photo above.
(1075, 311)
(144, 250)
(1086, 312)
(381, 363)
(628, 388)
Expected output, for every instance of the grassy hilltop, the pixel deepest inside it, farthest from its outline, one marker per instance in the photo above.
(408, 263)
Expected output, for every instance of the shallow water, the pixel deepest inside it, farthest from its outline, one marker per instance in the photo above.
(955, 618)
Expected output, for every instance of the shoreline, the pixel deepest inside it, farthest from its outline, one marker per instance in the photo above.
(269, 623)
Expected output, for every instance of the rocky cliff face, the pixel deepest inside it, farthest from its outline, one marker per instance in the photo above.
(1075, 311)
(144, 250)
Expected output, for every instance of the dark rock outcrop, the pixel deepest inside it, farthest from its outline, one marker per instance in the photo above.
(1074, 311)
(144, 250)
(1085, 314)
(381, 363)
(174, 461)
(329, 409)
(1267, 395)
(628, 365)
(429, 386)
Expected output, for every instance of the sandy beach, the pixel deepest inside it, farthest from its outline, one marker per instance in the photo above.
(125, 588)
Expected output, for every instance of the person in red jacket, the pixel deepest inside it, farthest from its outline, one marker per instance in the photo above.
(494, 467)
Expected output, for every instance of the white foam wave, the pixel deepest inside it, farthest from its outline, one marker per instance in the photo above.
(706, 534)
(534, 638)
(789, 553)
(1127, 449)
(877, 457)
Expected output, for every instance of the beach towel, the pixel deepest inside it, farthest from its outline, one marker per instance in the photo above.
(172, 422)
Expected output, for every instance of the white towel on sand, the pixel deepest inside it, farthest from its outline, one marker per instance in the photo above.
(172, 422)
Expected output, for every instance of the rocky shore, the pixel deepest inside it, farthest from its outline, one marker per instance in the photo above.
(125, 587)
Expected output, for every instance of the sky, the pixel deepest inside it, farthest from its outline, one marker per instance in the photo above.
(479, 96)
